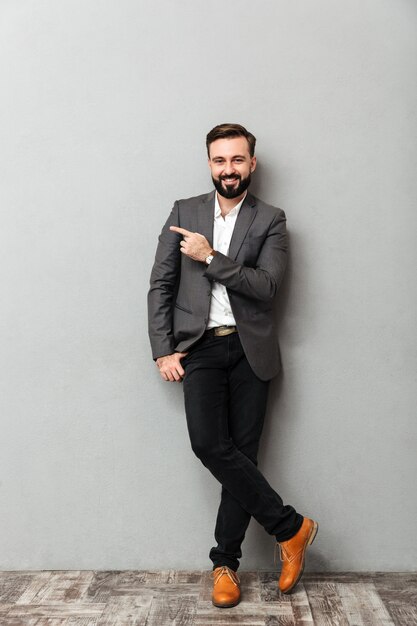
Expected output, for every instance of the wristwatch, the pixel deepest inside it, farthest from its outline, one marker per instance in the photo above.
(210, 257)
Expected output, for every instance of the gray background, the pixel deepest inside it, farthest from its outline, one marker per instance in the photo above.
(104, 111)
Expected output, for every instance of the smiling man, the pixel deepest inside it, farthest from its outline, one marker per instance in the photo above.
(219, 263)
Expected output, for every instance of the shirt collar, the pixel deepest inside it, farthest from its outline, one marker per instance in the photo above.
(233, 212)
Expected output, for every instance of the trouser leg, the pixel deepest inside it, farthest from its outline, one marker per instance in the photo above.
(247, 406)
(207, 392)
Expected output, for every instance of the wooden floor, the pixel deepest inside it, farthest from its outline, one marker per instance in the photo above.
(162, 598)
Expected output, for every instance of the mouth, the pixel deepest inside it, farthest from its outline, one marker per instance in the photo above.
(230, 181)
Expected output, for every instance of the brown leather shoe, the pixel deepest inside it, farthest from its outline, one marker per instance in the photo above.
(226, 588)
(292, 554)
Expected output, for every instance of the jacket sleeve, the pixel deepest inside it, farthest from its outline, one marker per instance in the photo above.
(163, 282)
(263, 281)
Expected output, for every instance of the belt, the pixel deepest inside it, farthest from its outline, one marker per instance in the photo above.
(221, 331)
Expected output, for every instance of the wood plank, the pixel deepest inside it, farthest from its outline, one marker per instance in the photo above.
(301, 606)
(355, 577)
(102, 584)
(141, 577)
(279, 620)
(227, 617)
(126, 611)
(36, 587)
(36, 621)
(19, 621)
(185, 576)
(57, 610)
(76, 621)
(25, 620)
(105, 584)
(325, 603)
(399, 595)
(362, 605)
(58, 586)
(81, 582)
(172, 610)
(244, 614)
(49, 621)
(15, 585)
(250, 586)
(74, 587)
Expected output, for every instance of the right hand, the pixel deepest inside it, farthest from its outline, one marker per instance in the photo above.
(170, 366)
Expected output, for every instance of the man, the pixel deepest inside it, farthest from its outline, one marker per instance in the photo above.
(219, 262)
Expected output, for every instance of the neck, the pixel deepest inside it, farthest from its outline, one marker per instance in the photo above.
(227, 204)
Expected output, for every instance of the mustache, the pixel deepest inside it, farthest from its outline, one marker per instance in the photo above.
(233, 177)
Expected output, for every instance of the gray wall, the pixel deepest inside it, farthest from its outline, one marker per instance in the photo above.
(104, 111)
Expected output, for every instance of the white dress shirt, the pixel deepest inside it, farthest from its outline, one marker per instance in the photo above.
(220, 313)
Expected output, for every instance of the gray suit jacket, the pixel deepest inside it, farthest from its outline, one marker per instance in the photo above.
(180, 288)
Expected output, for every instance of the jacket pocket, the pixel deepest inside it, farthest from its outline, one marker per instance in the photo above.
(181, 308)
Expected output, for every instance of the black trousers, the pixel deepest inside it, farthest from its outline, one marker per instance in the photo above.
(225, 407)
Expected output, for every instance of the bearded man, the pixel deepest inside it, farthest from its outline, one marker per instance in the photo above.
(219, 263)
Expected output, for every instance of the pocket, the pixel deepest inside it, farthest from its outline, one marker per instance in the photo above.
(182, 308)
(262, 316)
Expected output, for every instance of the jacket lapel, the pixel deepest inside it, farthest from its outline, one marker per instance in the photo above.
(244, 219)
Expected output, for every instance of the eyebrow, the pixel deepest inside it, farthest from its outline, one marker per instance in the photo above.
(235, 156)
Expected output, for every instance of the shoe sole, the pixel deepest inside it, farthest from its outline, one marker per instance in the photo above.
(225, 606)
(309, 542)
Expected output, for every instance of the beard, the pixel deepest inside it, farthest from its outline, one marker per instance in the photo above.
(230, 191)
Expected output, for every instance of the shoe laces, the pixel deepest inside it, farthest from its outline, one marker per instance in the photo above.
(284, 554)
(218, 573)
(276, 550)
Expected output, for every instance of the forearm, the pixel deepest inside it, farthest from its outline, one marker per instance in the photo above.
(160, 327)
(163, 282)
(256, 283)
(262, 281)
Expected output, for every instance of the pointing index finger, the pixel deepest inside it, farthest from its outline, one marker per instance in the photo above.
(182, 231)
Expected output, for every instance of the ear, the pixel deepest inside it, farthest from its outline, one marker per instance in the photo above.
(253, 163)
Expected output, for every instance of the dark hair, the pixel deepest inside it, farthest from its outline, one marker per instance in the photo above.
(223, 131)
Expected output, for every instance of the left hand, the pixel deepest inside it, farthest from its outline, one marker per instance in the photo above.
(193, 245)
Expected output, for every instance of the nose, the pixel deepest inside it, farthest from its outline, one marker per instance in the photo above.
(229, 169)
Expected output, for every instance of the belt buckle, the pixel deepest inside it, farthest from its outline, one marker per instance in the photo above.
(222, 331)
